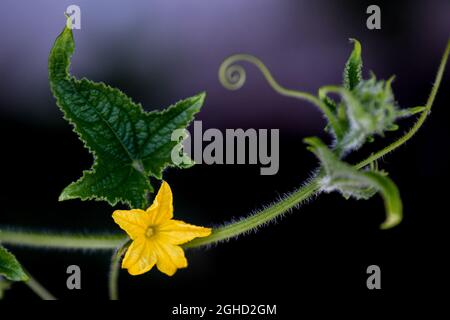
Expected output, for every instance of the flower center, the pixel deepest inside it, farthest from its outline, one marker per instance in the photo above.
(150, 232)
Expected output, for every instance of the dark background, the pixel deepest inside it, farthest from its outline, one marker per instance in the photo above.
(161, 51)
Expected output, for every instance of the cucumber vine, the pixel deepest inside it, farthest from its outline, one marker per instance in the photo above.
(132, 147)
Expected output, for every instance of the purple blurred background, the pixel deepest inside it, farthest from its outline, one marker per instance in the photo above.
(162, 51)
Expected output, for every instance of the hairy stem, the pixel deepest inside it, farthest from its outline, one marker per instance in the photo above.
(61, 240)
(115, 270)
(38, 289)
(264, 216)
(420, 120)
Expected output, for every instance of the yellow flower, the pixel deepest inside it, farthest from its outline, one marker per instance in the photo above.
(156, 237)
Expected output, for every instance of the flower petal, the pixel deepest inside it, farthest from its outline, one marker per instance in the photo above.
(140, 257)
(179, 232)
(162, 208)
(169, 258)
(134, 222)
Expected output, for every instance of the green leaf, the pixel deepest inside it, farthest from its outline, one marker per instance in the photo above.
(367, 110)
(367, 107)
(128, 144)
(10, 268)
(344, 178)
(371, 109)
(353, 67)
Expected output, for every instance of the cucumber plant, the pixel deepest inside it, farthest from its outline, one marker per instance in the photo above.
(132, 148)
